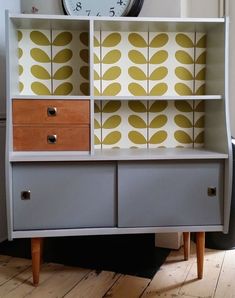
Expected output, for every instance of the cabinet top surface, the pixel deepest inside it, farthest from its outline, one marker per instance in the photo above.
(116, 19)
(117, 23)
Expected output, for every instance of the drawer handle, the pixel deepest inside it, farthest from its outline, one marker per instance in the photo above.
(25, 195)
(211, 191)
(51, 111)
(52, 139)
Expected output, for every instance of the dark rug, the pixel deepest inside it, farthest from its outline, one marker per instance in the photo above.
(126, 254)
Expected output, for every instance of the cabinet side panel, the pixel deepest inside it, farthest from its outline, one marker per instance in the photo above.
(215, 61)
(3, 219)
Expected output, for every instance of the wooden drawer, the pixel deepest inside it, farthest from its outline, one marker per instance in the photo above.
(51, 111)
(51, 138)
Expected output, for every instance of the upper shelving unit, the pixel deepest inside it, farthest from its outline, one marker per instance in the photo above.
(61, 55)
(150, 82)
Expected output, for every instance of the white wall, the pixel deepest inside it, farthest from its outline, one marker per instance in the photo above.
(14, 6)
(160, 8)
(183, 8)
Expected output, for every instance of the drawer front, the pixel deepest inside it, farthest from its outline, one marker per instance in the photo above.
(51, 138)
(63, 195)
(170, 193)
(51, 112)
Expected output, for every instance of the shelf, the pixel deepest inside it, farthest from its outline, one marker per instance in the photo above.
(118, 154)
(129, 98)
(55, 97)
(189, 97)
(28, 21)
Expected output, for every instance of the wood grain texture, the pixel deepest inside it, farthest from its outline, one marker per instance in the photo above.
(36, 112)
(12, 267)
(25, 288)
(200, 248)
(171, 277)
(34, 138)
(96, 284)
(186, 237)
(128, 286)
(205, 287)
(60, 283)
(36, 244)
(176, 278)
(226, 285)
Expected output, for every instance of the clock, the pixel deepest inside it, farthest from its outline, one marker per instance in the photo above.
(111, 8)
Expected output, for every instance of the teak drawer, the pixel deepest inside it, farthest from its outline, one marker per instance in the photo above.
(51, 138)
(51, 111)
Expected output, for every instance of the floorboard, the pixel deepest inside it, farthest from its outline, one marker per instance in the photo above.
(96, 284)
(176, 278)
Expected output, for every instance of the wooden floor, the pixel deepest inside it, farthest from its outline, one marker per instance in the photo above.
(176, 278)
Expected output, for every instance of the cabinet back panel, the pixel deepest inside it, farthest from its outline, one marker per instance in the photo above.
(53, 62)
(149, 64)
(149, 124)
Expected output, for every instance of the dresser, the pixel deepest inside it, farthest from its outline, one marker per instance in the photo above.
(116, 126)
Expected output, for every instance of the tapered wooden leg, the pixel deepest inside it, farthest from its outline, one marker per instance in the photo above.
(200, 247)
(36, 253)
(41, 250)
(186, 237)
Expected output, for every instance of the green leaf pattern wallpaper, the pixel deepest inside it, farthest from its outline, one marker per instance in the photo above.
(125, 63)
(53, 62)
(34, 62)
(145, 64)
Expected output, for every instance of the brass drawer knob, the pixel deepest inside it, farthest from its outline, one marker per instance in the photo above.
(51, 111)
(51, 139)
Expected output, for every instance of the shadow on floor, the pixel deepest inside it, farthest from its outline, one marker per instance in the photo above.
(126, 254)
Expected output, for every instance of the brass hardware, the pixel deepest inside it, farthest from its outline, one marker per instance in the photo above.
(51, 111)
(52, 139)
(211, 191)
(25, 195)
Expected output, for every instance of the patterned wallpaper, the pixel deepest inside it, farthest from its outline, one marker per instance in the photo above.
(125, 63)
(53, 62)
(149, 64)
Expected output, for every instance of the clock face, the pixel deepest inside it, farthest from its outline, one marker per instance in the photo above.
(110, 8)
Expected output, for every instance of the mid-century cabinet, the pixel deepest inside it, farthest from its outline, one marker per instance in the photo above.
(116, 126)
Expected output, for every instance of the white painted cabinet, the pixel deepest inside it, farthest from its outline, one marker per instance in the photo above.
(158, 157)
(3, 220)
(156, 93)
